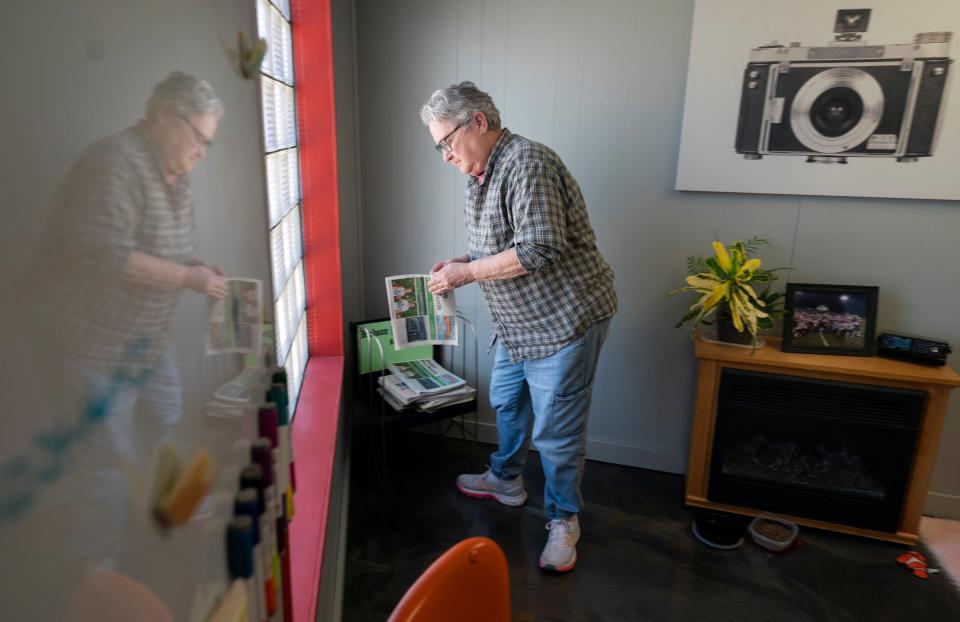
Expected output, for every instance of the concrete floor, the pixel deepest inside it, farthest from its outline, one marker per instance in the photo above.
(637, 558)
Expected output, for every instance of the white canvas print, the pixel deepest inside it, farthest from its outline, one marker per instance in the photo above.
(821, 97)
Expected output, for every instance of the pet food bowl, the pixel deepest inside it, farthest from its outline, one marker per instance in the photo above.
(772, 532)
(717, 530)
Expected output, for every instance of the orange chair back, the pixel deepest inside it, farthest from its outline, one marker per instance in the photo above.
(468, 583)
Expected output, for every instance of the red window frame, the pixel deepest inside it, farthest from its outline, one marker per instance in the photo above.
(316, 423)
(316, 116)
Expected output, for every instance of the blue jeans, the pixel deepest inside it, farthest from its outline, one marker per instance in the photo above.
(117, 438)
(123, 441)
(551, 396)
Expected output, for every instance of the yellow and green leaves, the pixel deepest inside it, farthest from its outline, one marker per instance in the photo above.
(723, 286)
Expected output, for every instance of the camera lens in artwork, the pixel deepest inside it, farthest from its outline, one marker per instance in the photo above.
(836, 111)
(846, 98)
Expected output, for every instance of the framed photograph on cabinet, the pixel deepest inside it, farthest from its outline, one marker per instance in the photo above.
(830, 319)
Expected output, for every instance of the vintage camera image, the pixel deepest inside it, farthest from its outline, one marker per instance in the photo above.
(846, 99)
(817, 98)
(829, 319)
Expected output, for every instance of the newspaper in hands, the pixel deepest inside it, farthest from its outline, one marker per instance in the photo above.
(235, 322)
(419, 317)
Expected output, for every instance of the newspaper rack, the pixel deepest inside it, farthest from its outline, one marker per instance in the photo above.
(448, 418)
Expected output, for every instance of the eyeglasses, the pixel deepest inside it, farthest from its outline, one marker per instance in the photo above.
(199, 137)
(442, 145)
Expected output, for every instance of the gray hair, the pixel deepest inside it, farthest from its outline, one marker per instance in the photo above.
(185, 95)
(459, 102)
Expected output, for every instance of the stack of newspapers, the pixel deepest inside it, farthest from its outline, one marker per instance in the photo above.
(423, 385)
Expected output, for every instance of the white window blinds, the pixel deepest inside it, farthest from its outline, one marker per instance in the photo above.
(282, 166)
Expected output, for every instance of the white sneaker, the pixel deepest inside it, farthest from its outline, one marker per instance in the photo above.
(488, 486)
(560, 553)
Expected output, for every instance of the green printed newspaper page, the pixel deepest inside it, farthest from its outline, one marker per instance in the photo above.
(419, 317)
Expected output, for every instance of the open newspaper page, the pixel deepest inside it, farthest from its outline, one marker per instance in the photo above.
(235, 322)
(426, 377)
(419, 317)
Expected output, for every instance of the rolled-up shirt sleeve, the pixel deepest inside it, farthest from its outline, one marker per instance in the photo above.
(535, 198)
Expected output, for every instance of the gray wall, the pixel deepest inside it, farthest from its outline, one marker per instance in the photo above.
(348, 158)
(602, 82)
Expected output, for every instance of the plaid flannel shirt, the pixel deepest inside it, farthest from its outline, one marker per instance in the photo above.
(528, 199)
(115, 201)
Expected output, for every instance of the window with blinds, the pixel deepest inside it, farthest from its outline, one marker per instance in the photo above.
(282, 167)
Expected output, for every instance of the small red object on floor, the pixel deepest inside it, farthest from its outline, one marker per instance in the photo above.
(915, 562)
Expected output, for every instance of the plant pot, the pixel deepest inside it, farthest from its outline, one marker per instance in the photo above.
(727, 332)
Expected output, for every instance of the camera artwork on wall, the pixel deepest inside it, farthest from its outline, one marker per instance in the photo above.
(846, 99)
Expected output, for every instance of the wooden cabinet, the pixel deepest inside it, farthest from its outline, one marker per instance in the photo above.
(935, 382)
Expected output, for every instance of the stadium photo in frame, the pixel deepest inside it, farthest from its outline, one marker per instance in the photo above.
(830, 319)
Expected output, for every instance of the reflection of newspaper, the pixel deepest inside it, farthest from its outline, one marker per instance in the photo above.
(426, 377)
(417, 316)
(235, 322)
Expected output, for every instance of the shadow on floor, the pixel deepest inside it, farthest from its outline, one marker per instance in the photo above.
(637, 558)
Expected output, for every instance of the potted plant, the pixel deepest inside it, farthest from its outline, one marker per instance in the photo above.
(733, 290)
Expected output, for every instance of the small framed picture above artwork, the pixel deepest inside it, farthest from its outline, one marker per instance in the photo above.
(830, 319)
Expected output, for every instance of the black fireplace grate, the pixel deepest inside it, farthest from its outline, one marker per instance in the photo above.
(782, 394)
(819, 449)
